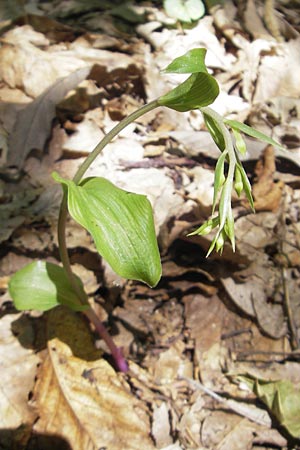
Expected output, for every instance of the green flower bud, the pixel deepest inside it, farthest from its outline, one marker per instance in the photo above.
(238, 182)
(206, 227)
(220, 241)
(240, 144)
(219, 177)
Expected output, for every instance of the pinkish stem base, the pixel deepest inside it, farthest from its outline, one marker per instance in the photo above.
(120, 361)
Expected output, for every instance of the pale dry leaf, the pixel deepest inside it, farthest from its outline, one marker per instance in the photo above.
(253, 20)
(241, 294)
(190, 422)
(270, 318)
(252, 296)
(254, 232)
(161, 425)
(34, 121)
(278, 75)
(171, 364)
(86, 136)
(18, 365)
(86, 403)
(204, 319)
(223, 431)
(248, 64)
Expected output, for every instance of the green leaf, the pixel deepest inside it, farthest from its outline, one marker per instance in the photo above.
(281, 398)
(184, 10)
(121, 224)
(41, 286)
(200, 89)
(234, 124)
(215, 131)
(191, 62)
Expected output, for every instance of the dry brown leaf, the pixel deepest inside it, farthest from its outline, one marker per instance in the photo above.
(35, 120)
(267, 194)
(273, 78)
(87, 404)
(223, 431)
(18, 365)
(252, 297)
(161, 425)
(172, 364)
(253, 20)
(204, 318)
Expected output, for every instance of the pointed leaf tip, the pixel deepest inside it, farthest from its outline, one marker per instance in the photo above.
(198, 90)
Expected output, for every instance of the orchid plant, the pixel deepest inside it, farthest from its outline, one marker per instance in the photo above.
(121, 223)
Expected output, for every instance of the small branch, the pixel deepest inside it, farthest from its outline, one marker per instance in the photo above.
(252, 413)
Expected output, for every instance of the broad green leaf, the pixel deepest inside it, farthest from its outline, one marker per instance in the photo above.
(41, 286)
(281, 398)
(191, 62)
(234, 124)
(200, 89)
(184, 10)
(215, 131)
(121, 224)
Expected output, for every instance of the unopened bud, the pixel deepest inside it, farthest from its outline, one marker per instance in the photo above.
(220, 242)
(238, 181)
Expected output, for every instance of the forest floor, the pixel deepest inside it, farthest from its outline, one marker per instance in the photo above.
(213, 350)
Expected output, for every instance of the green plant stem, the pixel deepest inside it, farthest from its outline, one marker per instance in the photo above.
(62, 221)
(103, 333)
(63, 213)
(110, 135)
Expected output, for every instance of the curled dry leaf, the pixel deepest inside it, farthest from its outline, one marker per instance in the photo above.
(86, 403)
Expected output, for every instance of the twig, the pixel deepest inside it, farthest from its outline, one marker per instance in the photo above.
(254, 414)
